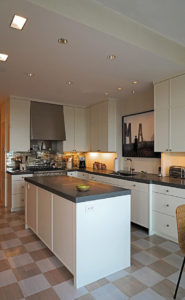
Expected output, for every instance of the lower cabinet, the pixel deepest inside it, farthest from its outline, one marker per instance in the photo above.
(139, 197)
(45, 216)
(63, 231)
(31, 195)
(165, 200)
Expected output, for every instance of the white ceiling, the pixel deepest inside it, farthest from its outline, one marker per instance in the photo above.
(83, 60)
(166, 17)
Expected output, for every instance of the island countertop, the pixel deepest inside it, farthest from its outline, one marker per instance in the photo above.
(65, 186)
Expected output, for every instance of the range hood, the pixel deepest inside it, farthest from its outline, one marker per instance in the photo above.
(47, 122)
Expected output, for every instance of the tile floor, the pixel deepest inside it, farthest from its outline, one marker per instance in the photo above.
(28, 270)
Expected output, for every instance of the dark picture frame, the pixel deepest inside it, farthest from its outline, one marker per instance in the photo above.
(138, 135)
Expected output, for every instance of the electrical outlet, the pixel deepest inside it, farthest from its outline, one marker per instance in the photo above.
(89, 209)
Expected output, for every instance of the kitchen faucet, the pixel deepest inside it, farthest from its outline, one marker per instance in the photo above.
(129, 159)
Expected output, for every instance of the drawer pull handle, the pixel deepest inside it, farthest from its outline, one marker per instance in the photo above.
(134, 185)
(167, 225)
(167, 205)
(167, 191)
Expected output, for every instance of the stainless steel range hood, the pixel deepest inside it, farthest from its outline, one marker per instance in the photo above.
(47, 122)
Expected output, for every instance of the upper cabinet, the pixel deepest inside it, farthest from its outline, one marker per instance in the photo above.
(169, 105)
(103, 127)
(76, 127)
(19, 124)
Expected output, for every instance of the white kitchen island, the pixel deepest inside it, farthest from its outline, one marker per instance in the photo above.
(89, 232)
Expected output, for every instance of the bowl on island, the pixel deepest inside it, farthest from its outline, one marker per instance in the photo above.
(82, 187)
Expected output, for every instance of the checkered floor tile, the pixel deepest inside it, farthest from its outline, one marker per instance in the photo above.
(28, 270)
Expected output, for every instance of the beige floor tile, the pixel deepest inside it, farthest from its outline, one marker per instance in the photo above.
(86, 297)
(29, 239)
(135, 249)
(135, 265)
(163, 268)
(57, 276)
(7, 236)
(48, 294)
(166, 289)
(26, 271)
(11, 292)
(18, 227)
(158, 252)
(129, 286)
(155, 239)
(95, 285)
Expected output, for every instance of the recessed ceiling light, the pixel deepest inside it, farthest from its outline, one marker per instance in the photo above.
(120, 89)
(133, 92)
(3, 56)
(135, 82)
(30, 74)
(18, 22)
(62, 41)
(70, 82)
(111, 57)
(106, 93)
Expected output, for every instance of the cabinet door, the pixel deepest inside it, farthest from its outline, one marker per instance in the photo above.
(140, 208)
(94, 127)
(45, 216)
(81, 129)
(69, 119)
(64, 230)
(177, 132)
(31, 206)
(103, 126)
(19, 125)
(177, 91)
(161, 116)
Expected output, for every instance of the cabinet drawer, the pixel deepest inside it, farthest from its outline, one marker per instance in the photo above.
(168, 190)
(18, 187)
(164, 225)
(82, 175)
(143, 187)
(166, 204)
(17, 201)
(72, 174)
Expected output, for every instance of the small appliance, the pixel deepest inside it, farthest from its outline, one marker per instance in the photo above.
(177, 172)
(82, 163)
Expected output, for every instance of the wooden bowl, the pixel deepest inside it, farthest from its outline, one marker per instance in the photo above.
(82, 187)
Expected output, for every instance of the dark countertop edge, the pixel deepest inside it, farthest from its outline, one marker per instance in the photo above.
(19, 172)
(87, 198)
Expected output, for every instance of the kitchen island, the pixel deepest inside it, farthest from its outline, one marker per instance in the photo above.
(88, 231)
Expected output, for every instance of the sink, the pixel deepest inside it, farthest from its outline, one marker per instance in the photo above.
(123, 174)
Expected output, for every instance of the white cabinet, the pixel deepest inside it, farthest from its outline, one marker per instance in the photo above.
(83, 175)
(169, 103)
(19, 124)
(63, 231)
(31, 196)
(76, 129)
(103, 127)
(140, 207)
(165, 200)
(17, 191)
(161, 116)
(45, 216)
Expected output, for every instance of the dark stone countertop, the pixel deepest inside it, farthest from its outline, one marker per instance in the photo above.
(18, 172)
(65, 186)
(139, 177)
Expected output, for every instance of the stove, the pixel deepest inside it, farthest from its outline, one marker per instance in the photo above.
(47, 171)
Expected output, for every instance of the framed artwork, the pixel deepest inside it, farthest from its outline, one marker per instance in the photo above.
(138, 135)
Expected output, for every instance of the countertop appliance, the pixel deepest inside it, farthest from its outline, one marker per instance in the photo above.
(177, 172)
(82, 163)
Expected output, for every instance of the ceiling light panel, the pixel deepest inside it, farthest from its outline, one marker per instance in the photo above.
(3, 56)
(18, 22)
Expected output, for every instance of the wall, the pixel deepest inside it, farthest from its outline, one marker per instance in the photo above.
(171, 159)
(135, 103)
(105, 158)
